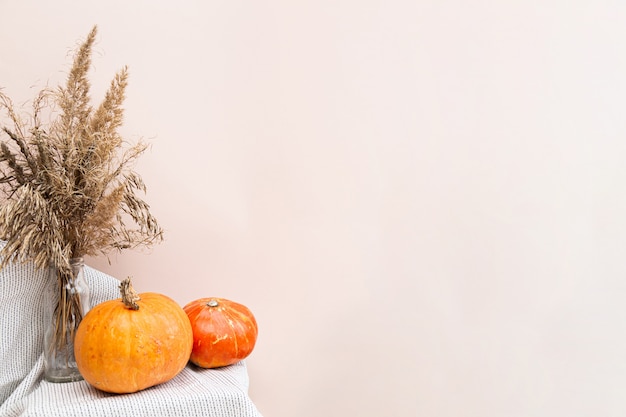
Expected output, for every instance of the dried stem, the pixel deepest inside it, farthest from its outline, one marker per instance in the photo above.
(68, 312)
(129, 296)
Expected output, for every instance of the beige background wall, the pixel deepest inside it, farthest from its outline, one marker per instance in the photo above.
(423, 202)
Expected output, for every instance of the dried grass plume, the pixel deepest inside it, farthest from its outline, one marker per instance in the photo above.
(69, 186)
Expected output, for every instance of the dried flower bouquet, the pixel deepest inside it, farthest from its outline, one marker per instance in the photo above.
(70, 190)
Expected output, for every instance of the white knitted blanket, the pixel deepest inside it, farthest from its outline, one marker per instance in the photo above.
(219, 392)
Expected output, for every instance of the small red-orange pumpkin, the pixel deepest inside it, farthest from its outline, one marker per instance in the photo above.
(132, 343)
(224, 332)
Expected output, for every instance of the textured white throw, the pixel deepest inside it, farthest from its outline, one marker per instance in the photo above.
(219, 392)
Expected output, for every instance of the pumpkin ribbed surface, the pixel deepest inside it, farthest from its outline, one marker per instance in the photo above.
(224, 332)
(121, 350)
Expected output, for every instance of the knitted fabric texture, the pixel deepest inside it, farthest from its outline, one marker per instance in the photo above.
(219, 392)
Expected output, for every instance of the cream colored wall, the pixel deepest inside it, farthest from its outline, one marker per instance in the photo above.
(422, 201)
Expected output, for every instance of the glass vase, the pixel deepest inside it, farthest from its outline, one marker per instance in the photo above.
(66, 303)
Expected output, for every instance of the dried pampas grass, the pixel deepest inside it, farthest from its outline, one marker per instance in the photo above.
(69, 188)
(68, 184)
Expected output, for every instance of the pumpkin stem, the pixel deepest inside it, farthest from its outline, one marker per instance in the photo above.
(129, 296)
(212, 303)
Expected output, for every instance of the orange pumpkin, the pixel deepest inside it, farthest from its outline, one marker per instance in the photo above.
(132, 343)
(224, 332)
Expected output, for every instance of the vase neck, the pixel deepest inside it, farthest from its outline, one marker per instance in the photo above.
(79, 261)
